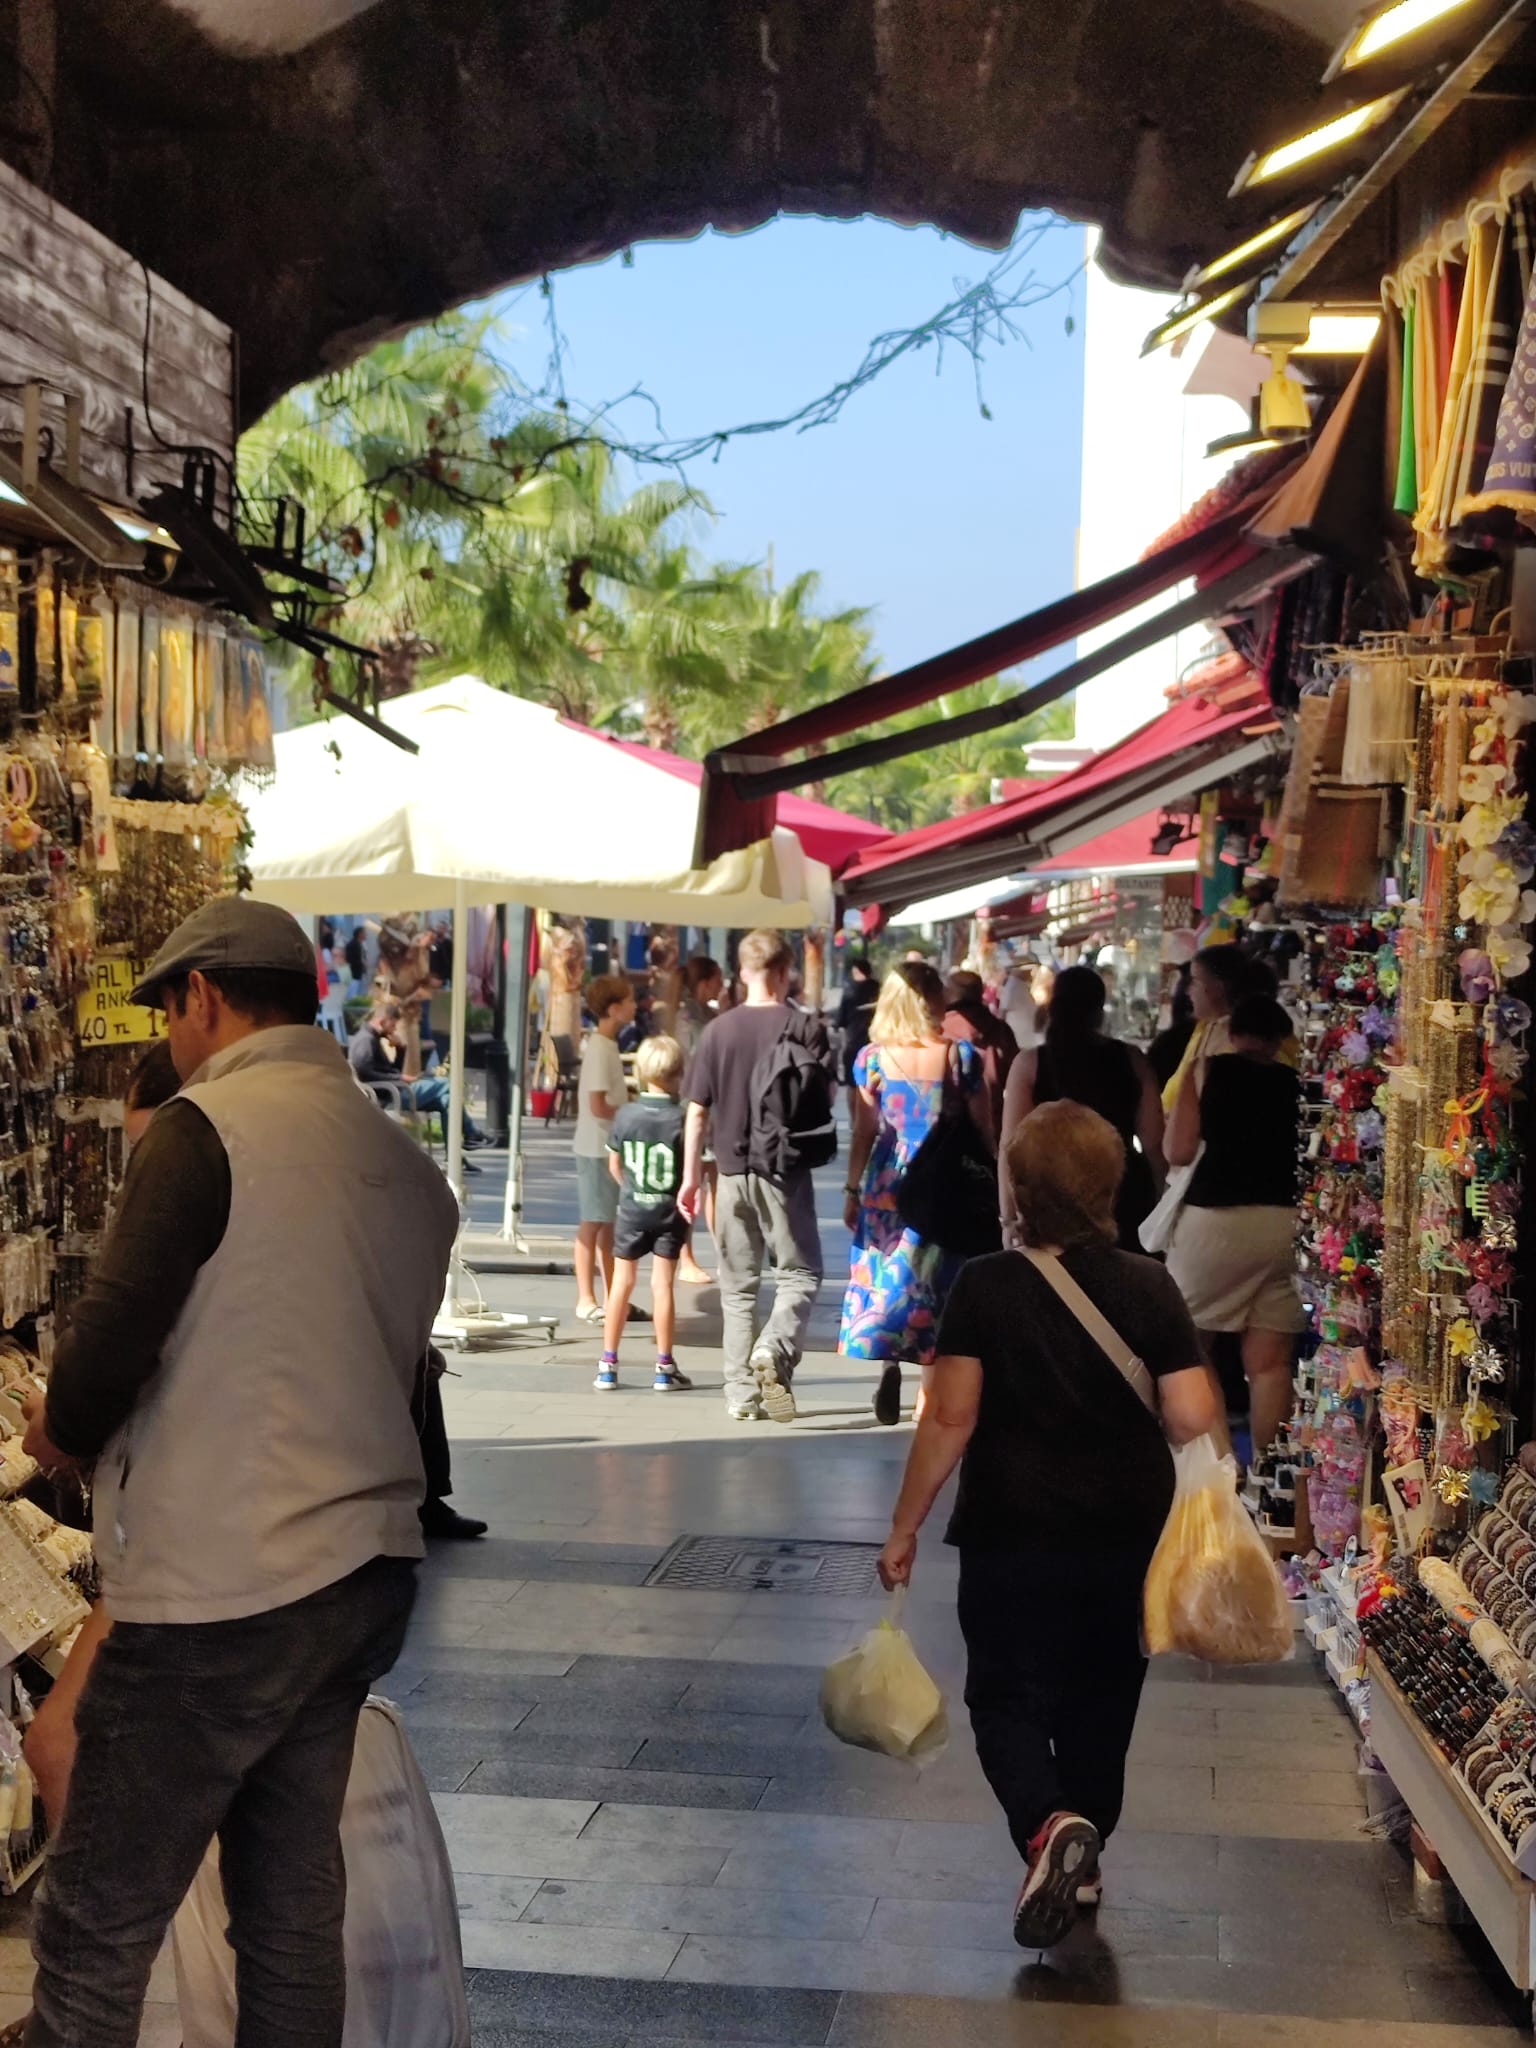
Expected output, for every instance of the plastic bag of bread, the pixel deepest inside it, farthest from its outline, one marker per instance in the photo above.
(1213, 1590)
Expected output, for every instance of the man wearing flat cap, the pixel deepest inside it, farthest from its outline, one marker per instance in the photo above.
(240, 1373)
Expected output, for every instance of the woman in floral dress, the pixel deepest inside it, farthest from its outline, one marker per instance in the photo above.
(898, 1283)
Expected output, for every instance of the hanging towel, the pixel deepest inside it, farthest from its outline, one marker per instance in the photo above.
(1405, 497)
(1509, 288)
(1509, 482)
(1428, 391)
(1437, 494)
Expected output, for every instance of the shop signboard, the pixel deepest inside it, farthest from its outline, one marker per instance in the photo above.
(103, 1013)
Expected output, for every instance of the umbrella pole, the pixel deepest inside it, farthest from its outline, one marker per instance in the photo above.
(458, 1013)
(512, 1207)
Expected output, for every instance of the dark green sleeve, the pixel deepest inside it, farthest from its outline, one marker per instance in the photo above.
(170, 1220)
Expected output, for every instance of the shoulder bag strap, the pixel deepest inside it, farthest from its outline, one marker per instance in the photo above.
(1098, 1327)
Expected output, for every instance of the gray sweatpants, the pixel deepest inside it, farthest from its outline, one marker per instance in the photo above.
(755, 1222)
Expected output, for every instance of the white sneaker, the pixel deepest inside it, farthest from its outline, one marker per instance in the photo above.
(746, 1411)
(774, 1391)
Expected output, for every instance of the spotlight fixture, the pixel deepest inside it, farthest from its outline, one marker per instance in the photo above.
(1278, 231)
(1277, 328)
(1172, 831)
(1301, 149)
(1384, 28)
(1183, 319)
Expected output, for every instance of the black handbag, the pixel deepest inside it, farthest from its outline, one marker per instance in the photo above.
(948, 1193)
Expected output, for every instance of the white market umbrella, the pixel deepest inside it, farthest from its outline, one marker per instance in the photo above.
(504, 803)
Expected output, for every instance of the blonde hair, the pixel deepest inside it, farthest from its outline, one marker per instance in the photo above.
(764, 952)
(1066, 1163)
(911, 1006)
(659, 1063)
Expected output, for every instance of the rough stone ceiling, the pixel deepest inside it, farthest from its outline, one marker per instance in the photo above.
(415, 153)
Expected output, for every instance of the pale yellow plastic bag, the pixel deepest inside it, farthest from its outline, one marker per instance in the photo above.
(880, 1697)
(1213, 1590)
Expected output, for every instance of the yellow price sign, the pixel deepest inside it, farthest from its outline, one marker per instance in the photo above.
(104, 1015)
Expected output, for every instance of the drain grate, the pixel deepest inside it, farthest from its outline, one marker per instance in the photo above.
(770, 1564)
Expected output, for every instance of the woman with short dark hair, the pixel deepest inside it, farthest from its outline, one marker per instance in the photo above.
(1065, 1484)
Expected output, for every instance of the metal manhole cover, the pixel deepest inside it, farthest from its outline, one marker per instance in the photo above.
(770, 1564)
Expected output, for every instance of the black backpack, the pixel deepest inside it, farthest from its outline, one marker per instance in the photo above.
(790, 1123)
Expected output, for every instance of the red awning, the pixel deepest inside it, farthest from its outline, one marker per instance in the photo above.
(1199, 557)
(826, 833)
(1191, 745)
(741, 780)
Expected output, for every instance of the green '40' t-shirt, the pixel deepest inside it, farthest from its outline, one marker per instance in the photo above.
(647, 1134)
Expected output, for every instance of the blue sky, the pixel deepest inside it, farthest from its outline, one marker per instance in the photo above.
(913, 504)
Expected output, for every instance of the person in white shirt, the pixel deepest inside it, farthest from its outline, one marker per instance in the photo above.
(1016, 1002)
(602, 1092)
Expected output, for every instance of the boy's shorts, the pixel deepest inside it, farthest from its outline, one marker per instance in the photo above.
(597, 1190)
(634, 1237)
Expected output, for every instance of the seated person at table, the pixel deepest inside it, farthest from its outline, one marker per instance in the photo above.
(377, 1051)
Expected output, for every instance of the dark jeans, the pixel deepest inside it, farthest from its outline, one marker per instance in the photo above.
(240, 1729)
(1053, 1679)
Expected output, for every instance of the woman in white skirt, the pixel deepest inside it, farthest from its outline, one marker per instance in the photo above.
(1233, 1249)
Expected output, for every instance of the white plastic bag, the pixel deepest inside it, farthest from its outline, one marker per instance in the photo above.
(405, 1968)
(880, 1697)
(1213, 1591)
(1157, 1227)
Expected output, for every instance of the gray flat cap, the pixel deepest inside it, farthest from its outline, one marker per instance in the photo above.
(231, 934)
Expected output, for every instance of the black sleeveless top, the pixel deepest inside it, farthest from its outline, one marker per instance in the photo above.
(1100, 1073)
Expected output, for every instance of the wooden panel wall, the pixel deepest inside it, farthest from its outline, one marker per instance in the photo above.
(72, 313)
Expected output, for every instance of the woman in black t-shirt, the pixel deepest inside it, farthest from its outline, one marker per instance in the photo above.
(1079, 1062)
(1233, 1247)
(1065, 1483)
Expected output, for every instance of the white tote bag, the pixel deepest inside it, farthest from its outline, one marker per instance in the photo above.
(405, 1967)
(1156, 1232)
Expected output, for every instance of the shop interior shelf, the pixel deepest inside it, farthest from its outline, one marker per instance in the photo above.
(1500, 1900)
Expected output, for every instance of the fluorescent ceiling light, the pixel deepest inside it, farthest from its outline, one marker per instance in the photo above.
(1277, 231)
(69, 510)
(1182, 322)
(137, 528)
(1388, 27)
(1339, 334)
(1301, 149)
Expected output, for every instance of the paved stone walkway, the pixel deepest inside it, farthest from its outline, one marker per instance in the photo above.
(657, 1843)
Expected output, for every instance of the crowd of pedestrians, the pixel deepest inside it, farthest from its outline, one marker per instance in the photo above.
(1058, 1367)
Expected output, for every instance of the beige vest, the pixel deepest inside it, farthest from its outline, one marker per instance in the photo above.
(274, 1450)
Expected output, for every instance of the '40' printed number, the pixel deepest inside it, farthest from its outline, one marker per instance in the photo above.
(652, 1169)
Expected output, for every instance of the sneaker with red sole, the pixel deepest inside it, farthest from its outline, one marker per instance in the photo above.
(1063, 1862)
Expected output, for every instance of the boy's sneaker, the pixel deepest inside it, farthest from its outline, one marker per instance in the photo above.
(774, 1390)
(607, 1379)
(745, 1411)
(1091, 1896)
(1064, 1860)
(669, 1380)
